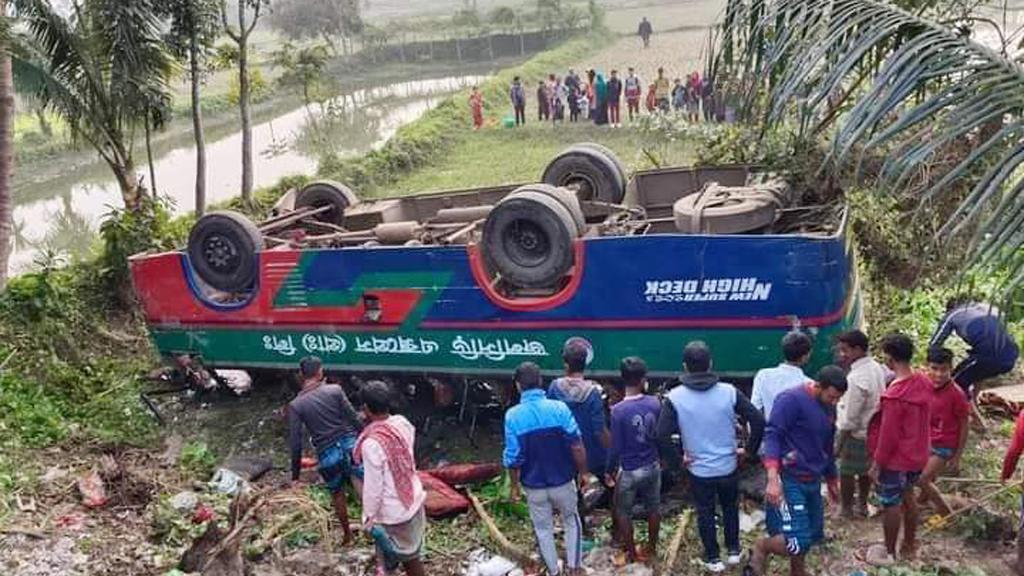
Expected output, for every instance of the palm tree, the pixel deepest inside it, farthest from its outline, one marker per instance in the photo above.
(877, 78)
(6, 145)
(105, 73)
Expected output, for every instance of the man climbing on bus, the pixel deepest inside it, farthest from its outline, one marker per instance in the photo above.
(993, 350)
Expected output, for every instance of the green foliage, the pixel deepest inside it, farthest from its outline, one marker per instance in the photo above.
(126, 233)
(176, 529)
(303, 68)
(31, 413)
(198, 460)
(304, 19)
(259, 89)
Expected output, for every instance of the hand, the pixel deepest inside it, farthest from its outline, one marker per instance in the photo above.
(584, 479)
(873, 473)
(609, 480)
(833, 490)
(741, 456)
(514, 494)
(687, 460)
(368, 525)
(773, 491)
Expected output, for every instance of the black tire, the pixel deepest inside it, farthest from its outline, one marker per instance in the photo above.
(566, 198)
(587, 171)
(611, 157)
(222, 248)
(723, 210)
(528, 240)
(327, 193)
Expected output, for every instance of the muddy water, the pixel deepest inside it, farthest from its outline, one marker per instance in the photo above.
(61, 214)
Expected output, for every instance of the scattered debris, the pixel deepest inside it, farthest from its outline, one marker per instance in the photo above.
(493, 566)
(227, 482)
(184, 501)
(172, 449)
(238, 381)
(252, 468)
(53, 475)
(1005, 401)
(94, 493)
(750, 522)
(677, 542)
(464, 474)
(51, 558)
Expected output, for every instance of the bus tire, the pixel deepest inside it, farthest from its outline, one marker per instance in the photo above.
(589, 173)
(722, 210)
(620, 168)
(223, 248)
(528, 240)
(566, 198)
(327, 193)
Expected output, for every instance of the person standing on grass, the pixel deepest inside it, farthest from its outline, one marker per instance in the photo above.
(615, 100)
(544, 453)
(993, 350)
(645, 31)
(898, 441)
(770, 382)
(600, 115)
(708, 95)
(662, 91)
(950, 411)
(694, 92)
(591, 95)
(476, 104)
(543, 102)
(333, 424)
(866, 378)
(798, 455)
(704, 412)
(633, 467)
(585, 401)
(678, 96)
(1009, 468)
(394, 515)
(634, 91)
(517, 94)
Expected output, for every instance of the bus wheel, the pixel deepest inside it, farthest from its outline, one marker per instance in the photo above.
(589, 172)
(222, 248)
(528, 240)
(327, 193)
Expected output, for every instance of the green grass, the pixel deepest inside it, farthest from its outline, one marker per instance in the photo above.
(497, 155)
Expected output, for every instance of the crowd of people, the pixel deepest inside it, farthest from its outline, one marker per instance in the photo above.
(596, 98)
(857, 426)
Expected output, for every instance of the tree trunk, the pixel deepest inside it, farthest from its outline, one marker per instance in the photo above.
(44, 124)
(149, 156)
(197, 128)
(128, 181)
(6, 158)
(243, 105)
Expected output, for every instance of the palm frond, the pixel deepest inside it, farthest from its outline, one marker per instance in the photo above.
(918, 89)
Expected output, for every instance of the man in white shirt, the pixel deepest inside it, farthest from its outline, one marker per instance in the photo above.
(393, 497)
(866, 382)
(770, 382)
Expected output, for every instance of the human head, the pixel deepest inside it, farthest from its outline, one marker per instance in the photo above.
(574, 354)
(697, 357)
(376, 397)
(632, 71)
(853, 345)
(515, 80)
(678, 81)
(830, 385)
(796, 348)
(661, 72)
(940, 366)
(898, 350)
(633, 371)
(527, 376)
(476, 88)
(551, 77)
(311, 368)
(615, 73)
(958, 301)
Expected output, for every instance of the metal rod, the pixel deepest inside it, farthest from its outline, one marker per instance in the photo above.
(288, 219)
(461, 232)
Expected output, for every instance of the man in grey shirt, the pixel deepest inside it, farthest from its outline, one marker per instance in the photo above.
(334, 425)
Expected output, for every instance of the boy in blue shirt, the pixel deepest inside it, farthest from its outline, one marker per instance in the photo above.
(633, 466)
(544, 453)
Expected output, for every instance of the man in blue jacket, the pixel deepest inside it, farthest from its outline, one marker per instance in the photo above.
(544, 452)
(798, 454)
(704, 412)
(993, 351)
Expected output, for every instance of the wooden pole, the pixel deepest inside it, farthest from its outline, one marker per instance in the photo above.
(507, 547)
(677, 541)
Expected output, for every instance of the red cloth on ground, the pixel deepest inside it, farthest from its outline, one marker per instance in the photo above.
(399, 455)
(1016, 447)
(898, 436)
(950, 410)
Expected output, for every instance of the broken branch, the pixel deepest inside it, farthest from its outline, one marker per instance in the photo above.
(507, 547)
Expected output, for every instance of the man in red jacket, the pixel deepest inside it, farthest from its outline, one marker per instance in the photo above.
(898, 439)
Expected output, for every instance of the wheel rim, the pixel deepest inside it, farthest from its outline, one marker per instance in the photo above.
(583, 184)
(222, 254)
(526, 243)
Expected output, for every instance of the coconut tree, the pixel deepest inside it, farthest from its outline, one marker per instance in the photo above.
(105, 73)
(6, 143)
(874, 78)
